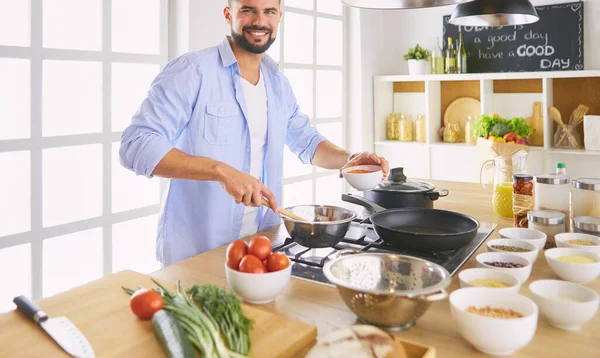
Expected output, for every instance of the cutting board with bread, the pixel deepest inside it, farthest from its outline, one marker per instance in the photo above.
(365, 341)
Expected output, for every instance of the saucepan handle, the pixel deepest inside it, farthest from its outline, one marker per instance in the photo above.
(30, 309)
(436, 194)
(359, 200)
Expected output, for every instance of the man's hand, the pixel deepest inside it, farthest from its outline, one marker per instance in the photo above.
(367, 158)
(245, 188)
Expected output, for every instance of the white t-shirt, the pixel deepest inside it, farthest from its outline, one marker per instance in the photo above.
(256, 105)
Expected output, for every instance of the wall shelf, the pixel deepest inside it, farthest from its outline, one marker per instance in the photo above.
(510, 94)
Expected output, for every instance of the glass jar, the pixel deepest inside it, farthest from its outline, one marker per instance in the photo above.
(587, 225)
(407, 133)
(568, 137)
(549, 222)
(551, 192)
(469, 136)
(505, 168)
(391, 127)
(522, 198)
(451, 133)
(585, 197)
(420, 129)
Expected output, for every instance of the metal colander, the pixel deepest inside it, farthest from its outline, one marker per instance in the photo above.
(387, 290)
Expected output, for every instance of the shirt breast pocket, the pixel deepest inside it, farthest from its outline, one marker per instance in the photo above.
(219, 123)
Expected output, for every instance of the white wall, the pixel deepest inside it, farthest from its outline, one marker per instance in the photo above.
(196, 24)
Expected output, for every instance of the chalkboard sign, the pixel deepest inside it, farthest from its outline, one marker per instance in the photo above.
(553, 43)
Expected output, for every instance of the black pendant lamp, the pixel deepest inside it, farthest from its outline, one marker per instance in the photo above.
(399, 4)
(494, 13)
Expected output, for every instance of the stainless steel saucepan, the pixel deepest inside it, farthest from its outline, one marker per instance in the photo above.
(325, 225)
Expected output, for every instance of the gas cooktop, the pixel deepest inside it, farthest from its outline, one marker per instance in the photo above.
(308, 263)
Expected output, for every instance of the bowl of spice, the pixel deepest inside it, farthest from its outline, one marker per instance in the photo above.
(535, 237)
(517, 266)
(484, 277)
(573, 240)
(363, 177)
(566, 305)
(497, 323)
(573, 265)
(518, 247)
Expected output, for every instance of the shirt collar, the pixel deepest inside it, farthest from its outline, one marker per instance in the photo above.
(228, 57)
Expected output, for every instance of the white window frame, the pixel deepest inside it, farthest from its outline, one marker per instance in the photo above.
(316, 174)
(37, 143)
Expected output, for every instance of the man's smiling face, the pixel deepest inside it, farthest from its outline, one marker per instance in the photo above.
(254, 23)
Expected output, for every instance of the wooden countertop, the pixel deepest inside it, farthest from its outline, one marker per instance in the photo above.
(321, 305)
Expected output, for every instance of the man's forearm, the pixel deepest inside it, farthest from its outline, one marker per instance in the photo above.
(179, 165)
(330, 156)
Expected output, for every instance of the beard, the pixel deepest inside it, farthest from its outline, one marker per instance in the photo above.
(243, 42)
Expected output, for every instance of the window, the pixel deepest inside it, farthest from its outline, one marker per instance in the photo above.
(309, 49)
(72, 74)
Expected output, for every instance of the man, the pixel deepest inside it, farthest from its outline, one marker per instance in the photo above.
(215, 122)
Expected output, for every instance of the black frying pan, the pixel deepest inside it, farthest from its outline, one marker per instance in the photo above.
(419, 229)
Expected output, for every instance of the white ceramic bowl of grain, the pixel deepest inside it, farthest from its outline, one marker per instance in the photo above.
(494, 335)
(531, 254)
(574, 240)
(468, 278)
(571, 271)
(522, 273)
(566, 305)
(535, 237)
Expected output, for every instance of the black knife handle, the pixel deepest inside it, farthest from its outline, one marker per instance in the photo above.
(30, 309)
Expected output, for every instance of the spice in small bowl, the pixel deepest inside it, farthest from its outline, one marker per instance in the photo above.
(582, 242)
(503, 264)
(489, 282)
(509, 248)
(488, 311)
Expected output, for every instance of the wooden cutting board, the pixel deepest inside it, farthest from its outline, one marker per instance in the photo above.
(100, 309)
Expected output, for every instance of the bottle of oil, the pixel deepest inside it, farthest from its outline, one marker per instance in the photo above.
(450, 58)
(461, 55)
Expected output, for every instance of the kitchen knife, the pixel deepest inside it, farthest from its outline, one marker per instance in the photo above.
(60, 329)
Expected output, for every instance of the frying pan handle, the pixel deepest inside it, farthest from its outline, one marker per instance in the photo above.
(442, 295)
(359, 200)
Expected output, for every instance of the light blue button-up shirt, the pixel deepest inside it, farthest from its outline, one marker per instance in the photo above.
(197, 105)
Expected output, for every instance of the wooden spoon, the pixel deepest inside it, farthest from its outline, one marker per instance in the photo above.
(555, 113)
(284, 212)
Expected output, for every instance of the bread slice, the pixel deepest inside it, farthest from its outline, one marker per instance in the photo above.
(358, 341)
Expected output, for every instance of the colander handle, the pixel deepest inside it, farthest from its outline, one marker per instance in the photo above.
(442, 295)
(345, 252)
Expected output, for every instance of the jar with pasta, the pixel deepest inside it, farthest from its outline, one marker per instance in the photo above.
(452, 133)
(522, 199)
(391, 127)
(406, 129)
(420, 129)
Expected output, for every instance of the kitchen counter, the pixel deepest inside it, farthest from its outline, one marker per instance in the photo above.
(321, 305)
(313, 303)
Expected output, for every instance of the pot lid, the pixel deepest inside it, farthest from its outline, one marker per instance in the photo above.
(398, 182)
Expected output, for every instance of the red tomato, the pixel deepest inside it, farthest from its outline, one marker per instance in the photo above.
(260, 247)
(235, 252)
(252, 264)
(277, 261)
(145, 302)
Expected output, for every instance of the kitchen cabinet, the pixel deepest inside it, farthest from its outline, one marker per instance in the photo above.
(509, 94)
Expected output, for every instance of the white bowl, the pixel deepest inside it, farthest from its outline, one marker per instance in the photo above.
(573, 272)
(561, 241)
(536, 237)
(530, 255)
(566, 305)
(366, 181)
(468, 275)
(522, 273)
(258, 288)
(494, 336)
